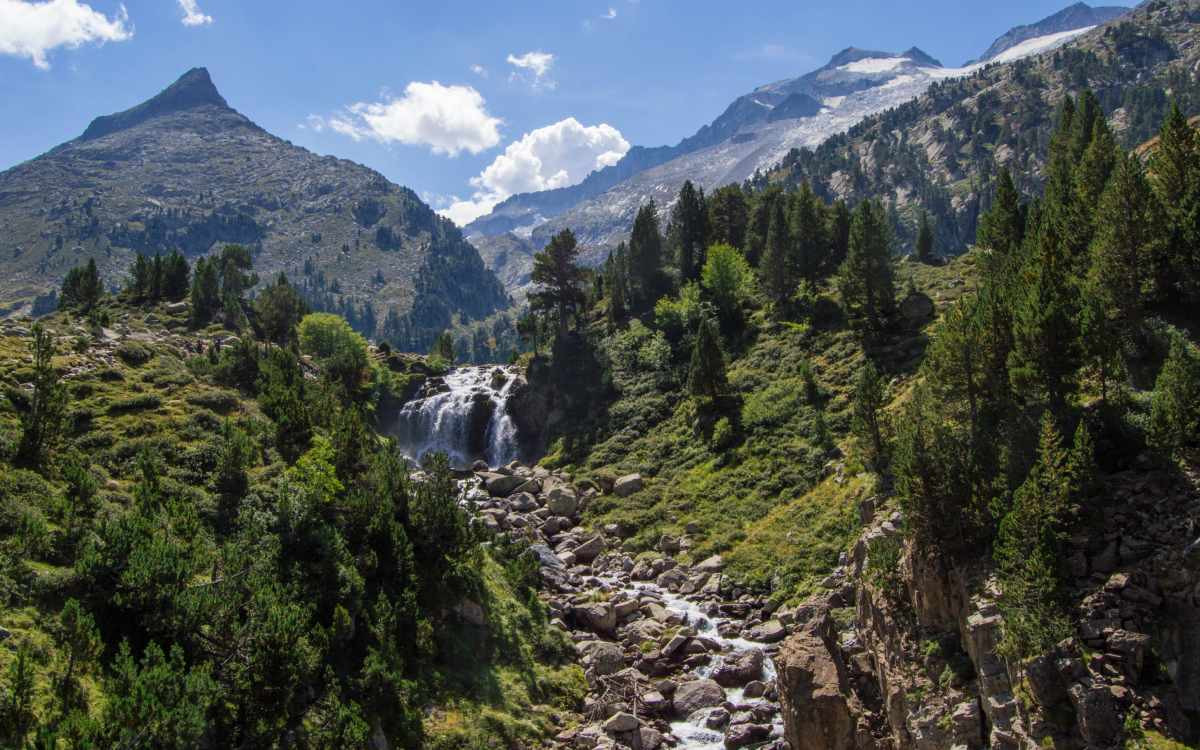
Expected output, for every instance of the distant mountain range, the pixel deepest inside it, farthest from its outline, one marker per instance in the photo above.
(754, 134)
(185, 171)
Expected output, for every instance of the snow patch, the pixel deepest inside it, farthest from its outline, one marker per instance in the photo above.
(1038, 44)
(874, 64)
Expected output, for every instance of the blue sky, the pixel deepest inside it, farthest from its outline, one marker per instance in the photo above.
(454, 99)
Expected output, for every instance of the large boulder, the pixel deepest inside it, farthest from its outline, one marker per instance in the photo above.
(744, 735)
(734, 671)
(813, 686)
(562, 501)
(627, 485)
(599, 617)
(500, 485)
(605, 657)
(694, 695)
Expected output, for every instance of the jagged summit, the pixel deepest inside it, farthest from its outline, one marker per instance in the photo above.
(193, 89)
(856, 54)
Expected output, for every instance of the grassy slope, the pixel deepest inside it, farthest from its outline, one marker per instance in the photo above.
(777, 504)
(133, 387)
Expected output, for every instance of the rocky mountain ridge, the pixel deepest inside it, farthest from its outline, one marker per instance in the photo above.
(185, 171)
(753, 134)
(1077, 16)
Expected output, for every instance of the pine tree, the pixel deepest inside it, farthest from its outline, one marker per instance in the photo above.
(1175, 404)
(42, 421)
(810, 242)
(706, 375)
(278, 311)
(645, 259)
(1002, 227)
(688, 231)
(1027, 548)
(1091, 176)
(618, 287)
(866, 279)
(867, 417)
(776, 266)
(139, 284)
(80, 646)
(443, 348)
(558, 279)
(762, 213)
(1127, 239)
(175, 277)
(17, 699)
(839, 235)
(1045, 351)
(81, 288)
(924, 246)
(1175, 173)
(728, 216)
(206, 292)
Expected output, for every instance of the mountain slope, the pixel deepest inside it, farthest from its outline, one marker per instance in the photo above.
(941, 151)
(1077, 16)
(184, 170)
(754, 133)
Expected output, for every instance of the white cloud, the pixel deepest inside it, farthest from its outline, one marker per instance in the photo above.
(555, 156)
(192, 15)
(610, 15)
(479, 70)
(447, 119)
(537, 64)
(33, 29)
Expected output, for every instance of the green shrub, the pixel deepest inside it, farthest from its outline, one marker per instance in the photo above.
(135, 403)
(134, 354)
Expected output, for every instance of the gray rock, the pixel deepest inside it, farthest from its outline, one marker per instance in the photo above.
(712, 564)
(588, 551)
(742, 735)
(627, 485)
(600, 617)
(740, 669)
(754, 689)
(562, 501)
(771, 631)
(694, 695)
(500, 485)
(621, 722)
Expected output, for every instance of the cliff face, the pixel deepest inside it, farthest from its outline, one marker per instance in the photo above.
(916, 664)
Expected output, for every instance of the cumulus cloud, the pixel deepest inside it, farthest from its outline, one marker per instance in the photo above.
(192, 15)
(610, 15)
(533, 66)
(447, 119)
(555, 156)
(33, 29)
(479, 70)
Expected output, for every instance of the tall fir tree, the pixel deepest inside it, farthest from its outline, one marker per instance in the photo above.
(645, 259)
(1175, 173)
(706, 375)
(776, 266)
(924, 245)
(688, 232)
(728, 216)
(1002, 226)
(866, 279)
(559, 279)
(810, 243)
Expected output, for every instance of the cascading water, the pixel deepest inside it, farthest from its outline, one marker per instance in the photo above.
(467, 419)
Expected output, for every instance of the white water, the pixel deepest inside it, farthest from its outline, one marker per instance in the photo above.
(442, 422)
(691, 731)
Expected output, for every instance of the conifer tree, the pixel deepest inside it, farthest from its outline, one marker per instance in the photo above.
(43, 419)
(81, 288)
(443, 347)
(1175, 404)
(706, 375)
(139, 278)
(645, 259)
(559, 279)
(688, 231)
(867, 418)
(278, 311)
(839, 235)
(618, 287)
(776, 266)
(1045, 351)
(206, 292)
(175, 277)
(1091, 177)
(810, 242)
(1002, 227)
(866, 279)
(728, 216)
(1027, 549)
(924, 246)
(17, 699)
(1127, 240)
(1175, 172)
(762, 213)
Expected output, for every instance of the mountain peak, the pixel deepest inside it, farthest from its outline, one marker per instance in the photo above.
(1077, 16)
(193, 89)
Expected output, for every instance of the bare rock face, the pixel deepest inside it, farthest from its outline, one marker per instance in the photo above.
(697, 694)
(813, 690)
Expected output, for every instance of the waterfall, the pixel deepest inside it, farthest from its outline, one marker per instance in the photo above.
(466, 417)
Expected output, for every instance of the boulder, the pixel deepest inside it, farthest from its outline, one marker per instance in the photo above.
(710, 565)
(754, 689)
(600, 617)
(589, 550)
(654, 702)
(621, 722)
(736, 670)
(813, 686)
(606, 658)
(500, 485)
(743, 735)
(652, 739)
(693, 695)
(771, 631)
(562, 501)
(627, 485)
